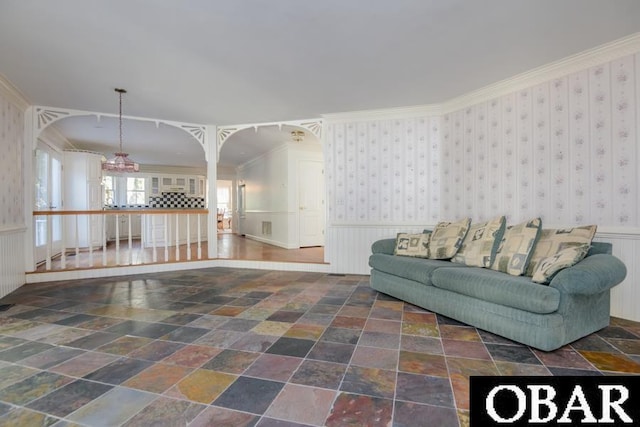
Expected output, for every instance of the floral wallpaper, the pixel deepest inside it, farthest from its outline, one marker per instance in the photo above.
(565, 150)
(11, 180)
(383, 170)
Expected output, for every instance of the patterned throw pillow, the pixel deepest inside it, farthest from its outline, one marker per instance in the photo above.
(547, 267)
(516, 247)
(552, 241)
(479, 247)
(447, 238)
(413, 245)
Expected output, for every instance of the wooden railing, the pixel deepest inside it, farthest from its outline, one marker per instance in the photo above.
(85, 234)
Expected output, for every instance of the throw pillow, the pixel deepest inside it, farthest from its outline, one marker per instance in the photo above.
(546, 268)
(447, 238)
(552, 241)
(481, 243)
(516, 247)
(413, 245)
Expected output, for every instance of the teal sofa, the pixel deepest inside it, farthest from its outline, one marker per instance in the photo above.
(574, 304)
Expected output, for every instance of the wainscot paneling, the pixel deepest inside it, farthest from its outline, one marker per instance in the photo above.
(11, 260)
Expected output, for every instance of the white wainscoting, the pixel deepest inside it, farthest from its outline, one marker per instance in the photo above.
(349, 246)
(11, 260)
(283, 228)
(625, 298)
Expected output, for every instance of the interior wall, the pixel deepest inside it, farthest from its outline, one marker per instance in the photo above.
(382, 177)
(266, 198)
(12, 208)
(565, 149)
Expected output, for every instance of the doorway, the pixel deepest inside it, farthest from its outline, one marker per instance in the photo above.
(311, 201)
(48, 196)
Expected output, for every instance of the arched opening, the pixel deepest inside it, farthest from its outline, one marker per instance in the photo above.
(166, 151)
(278, 187)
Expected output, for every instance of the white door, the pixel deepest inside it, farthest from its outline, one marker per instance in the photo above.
(48, 196)
(311, 203)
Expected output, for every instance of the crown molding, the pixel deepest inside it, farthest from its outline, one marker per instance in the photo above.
(574, 63)
(385, 114)
(13, 94)
(569, 65)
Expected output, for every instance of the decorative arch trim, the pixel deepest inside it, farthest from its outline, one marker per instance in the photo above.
(45, 116)
(314, 126)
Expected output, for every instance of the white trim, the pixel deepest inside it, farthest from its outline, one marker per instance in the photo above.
(385, 114)
(571, 64)
(580, 61)
(271, 242)
(179, 266)
(12, 230)
(13, 94)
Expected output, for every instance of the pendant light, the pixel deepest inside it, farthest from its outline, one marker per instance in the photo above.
(121, 162)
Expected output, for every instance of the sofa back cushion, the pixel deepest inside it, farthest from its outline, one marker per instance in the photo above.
(447, 238)
(552, 241)
(546, 268)
(499, 288)
(516, 247)
(481, 243)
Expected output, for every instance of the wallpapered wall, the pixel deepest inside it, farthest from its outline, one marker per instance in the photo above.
(11, 181)
(565, 150)
(383, 170)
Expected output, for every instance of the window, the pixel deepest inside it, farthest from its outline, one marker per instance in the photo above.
(109, 191)
(224, 197)
(135, 191)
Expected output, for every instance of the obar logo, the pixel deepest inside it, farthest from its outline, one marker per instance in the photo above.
(535, 401)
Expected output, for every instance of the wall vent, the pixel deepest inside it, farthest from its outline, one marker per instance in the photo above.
(266, 228)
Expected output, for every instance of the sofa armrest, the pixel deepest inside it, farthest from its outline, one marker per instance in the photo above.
(592, 275)
(384, 246)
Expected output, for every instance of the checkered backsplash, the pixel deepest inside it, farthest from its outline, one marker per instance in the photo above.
(176, 201)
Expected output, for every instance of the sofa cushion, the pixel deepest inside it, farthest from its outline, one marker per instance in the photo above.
(552, 241)
(499, 288)
(516, 247)
(412, 245)
(447, 238)
(480, 245)
(548, 267)
(417, 269)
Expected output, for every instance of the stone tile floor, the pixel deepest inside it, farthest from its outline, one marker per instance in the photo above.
(232, 347)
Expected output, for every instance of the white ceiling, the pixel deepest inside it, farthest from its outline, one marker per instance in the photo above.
(228, 62)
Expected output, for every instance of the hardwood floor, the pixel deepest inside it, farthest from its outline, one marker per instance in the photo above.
(230, 246)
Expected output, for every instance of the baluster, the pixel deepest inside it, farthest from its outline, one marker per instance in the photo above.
(103, 238)
(129, 241)
(75, 217)
(177, 242)
(188, 239)
(63, 243)
(153, 239)
(49, 243)
(199, 239)
(166, 237)
(117, 239)
(89, 240)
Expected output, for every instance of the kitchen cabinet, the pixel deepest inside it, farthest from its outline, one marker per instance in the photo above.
(161, 228)
(123, 220)
(174, 184)
(82, 190)
(196, 186)
(154, 186)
